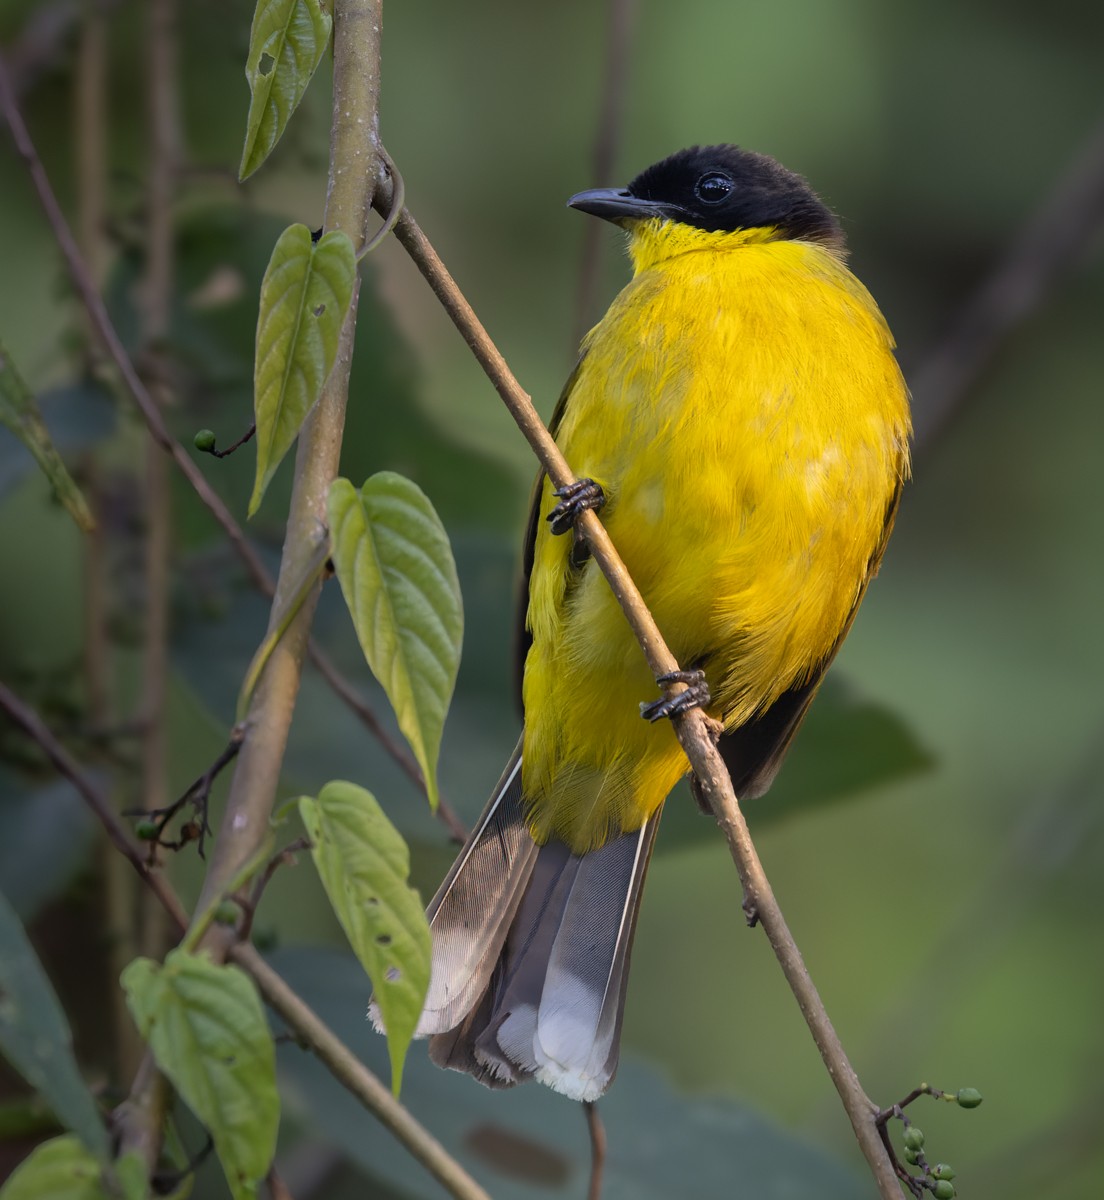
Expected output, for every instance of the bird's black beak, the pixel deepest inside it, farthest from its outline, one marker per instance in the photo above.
(618, 204)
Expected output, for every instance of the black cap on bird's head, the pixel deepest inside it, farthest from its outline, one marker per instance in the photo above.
(719, 189)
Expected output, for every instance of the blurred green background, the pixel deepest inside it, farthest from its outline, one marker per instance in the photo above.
(936, 838)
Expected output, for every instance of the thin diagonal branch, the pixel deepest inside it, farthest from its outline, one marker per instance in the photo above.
(692, 728)
(307, 1026)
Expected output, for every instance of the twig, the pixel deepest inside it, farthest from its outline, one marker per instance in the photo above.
(90, 148)
(161, 82)
(198, 793)
(277, 1189)
(597, 1133)
(97, 311)
(31, 724)
(101, 324)
(621, 16)
(1048, 244)
(308, 1028)
(283, 858)
(139, 1121)
(692, 728)
(349, 1071)
(215, 452)
(325, 667)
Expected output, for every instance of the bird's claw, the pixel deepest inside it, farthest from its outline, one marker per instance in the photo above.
(575, 499)
(696, 695)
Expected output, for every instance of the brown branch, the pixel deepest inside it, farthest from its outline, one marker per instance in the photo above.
(33, 726)
(308, 1028)
(692, 728)
(405, 760)
(157, 291)
(1049, 244)
(101, 325)
(621, 16)
(597, 1133)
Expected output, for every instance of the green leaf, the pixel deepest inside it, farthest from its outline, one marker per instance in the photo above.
(286, 45)
(130, 1175)
(19, 412)
(60, 1169)
(35, 1037)
(207, 1030)
(364, 864)
(397, 574)
(305, 294)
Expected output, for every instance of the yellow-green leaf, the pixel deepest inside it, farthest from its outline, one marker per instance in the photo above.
(207, 1030)
(305, 295)
(19, 412)
(286, 45)
(61, 1169)
(364, 863)
(396, 571)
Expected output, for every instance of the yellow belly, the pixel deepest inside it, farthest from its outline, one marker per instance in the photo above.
(744, 413)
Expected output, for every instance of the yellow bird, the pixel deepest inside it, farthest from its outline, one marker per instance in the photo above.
(739, 417)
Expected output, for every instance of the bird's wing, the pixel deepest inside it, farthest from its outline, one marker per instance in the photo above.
(523, 639)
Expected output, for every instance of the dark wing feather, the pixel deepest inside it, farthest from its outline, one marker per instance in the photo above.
(523, 639)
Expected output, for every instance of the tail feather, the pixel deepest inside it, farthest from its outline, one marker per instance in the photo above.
(531, 950)
(475, 904)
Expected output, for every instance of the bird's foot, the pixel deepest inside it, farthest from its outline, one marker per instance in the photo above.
(696, 696)
(575, 499)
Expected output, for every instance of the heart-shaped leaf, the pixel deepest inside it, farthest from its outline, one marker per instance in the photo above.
(397, 574)
(364, 864)
(207, 1030)
(286, 45)
(305, 295)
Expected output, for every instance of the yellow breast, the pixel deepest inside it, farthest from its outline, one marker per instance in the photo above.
(741, 406)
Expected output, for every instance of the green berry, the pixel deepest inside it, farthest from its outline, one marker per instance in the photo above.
(968, 1097)
(914, 1138)
(146, 830)
(227, 913)
(912, 1157)
(943, 1190)
(943, 1171)
(205, 441)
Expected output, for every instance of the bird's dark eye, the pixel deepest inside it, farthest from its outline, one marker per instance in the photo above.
(712, 188)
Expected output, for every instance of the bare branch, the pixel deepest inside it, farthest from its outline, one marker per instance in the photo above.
(597, 1133)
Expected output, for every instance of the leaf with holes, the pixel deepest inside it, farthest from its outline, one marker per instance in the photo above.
(207, 1030)
(61, 1169)
(19, 412)
(364, 864)
(396, 571)
(286, 45)
(305, 295)
(35, 1037)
